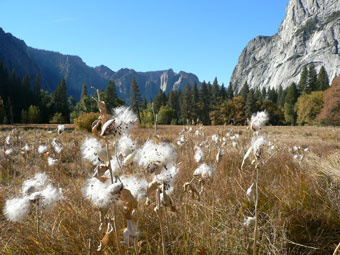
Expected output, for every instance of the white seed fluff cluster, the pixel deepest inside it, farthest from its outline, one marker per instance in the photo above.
(258, 120)
(215, 138)
(151, 152)
(91, 149)
(198, 154)
(9, 152)
(60, 129)
(25, 148)
(16, 209)
(125, 118)
(204, 171)
(256, 147)
(167, 176)
(126, 145)
(57, 148)
(32, 185)
(42, 149)
(101, 194)
(137, 186)
(51, 161)
(38, 191)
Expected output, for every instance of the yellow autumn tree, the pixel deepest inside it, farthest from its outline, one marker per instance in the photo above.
(308, 107)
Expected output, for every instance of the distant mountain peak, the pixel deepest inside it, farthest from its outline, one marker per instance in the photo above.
(53, 66)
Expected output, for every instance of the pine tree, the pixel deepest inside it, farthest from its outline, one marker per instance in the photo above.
(135, 100)
(60, 100)
(263, 93)
(204, 104)
(272, 95)
(290, 100)
(257, 95)
(280, 96)
(110, 96)
(158, 102)
(223, 93)
(250, 104)
(323, 81)
(244, 91)
(37, 92)
(312, 82)
(230, 92)
(194, 102)
(144, 104)
(215, 92)
(303, 80)
(173, 102)
(186, 104)
(26, 82)
(83, 91)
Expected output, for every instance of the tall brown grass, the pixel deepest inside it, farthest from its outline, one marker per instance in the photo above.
(298, 206)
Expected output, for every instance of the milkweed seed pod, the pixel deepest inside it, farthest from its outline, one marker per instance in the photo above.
(60, 129)
(258, 120)
(152, 187)
(257, 144)
(248, 221)
(96, 126)
(190, 187)
(100, 170)
(129, 203)
(37, 191)
(56, 147)
(156, 138)
(109, 128)
(107, 239)
(166, 200)
(204, 171)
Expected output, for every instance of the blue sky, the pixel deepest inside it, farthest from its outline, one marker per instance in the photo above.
(202, 37)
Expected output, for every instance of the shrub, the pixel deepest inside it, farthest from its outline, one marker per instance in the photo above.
(57, 118)
(33, 114)
(85, 120)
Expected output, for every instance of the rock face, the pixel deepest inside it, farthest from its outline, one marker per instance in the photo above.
(310, 33)
(53, 66)
(149, 82)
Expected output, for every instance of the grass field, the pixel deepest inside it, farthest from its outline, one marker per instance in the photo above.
(298, 208)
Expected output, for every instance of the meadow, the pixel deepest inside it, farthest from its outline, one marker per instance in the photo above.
(297, 202)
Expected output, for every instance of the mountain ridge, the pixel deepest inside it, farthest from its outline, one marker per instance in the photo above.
(53, 66)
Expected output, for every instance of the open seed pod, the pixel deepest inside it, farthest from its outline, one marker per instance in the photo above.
(109, 128)
(96, 126)
(190, 187)
(150, 192)
(107, 239)
(167, 201)
(129, 203)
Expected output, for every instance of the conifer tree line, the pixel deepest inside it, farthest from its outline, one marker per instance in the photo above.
(214, 104)
(22, 100)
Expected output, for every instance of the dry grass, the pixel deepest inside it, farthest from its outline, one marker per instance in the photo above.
(299, 200)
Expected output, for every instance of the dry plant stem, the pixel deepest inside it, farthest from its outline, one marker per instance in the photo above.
(336, 249)
(116, 230)
(159, 214)
(256, 213)
(108, 157)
